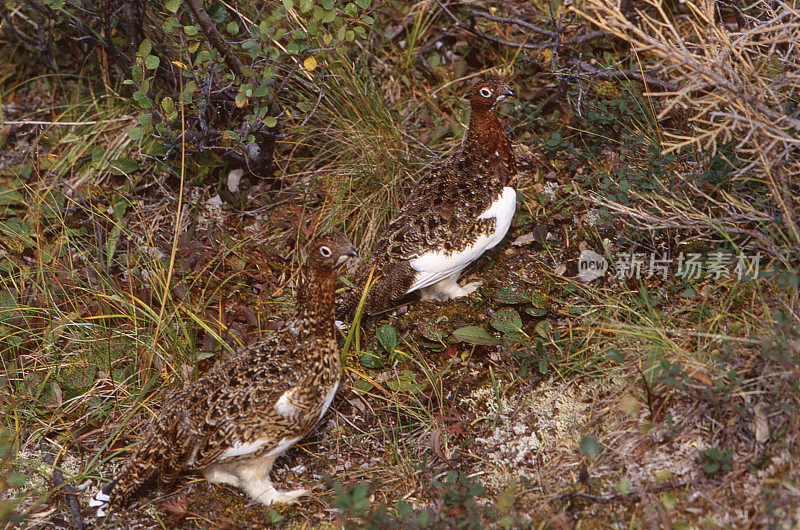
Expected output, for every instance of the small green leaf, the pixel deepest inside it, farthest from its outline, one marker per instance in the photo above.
(615, 355)
(145, 48)
(507, 319)
(217, 12)
(273, 516)
(11, 197)
(151, 62)
(669, 500)
(387, 336)
(430, 330)
(136, 134)
(624, 485)
(543, 329)
(538, 299)
(125, 165)
(536, 311)
(168, 105)
(270, 121)
(589, 446)
(512, 294)
(262, 91)
(288, 4)
(363, 4)
(362, 386)
(371, 360)
(172, 5)
(232, 28)
(191, 31)
(475, 335)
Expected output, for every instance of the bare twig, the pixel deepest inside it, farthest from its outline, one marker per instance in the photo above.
(555, 42)
(632, 496)
(215, 37)
(541, 31)
(633, 75)
(132, 21)
(515, 21)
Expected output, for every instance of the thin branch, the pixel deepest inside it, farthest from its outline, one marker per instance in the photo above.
(536, 29)
(214, 36)
(633, 75)
(632, 496)
(516, 21)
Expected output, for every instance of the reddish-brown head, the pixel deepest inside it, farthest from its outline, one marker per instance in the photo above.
(488, 92)
(330, 251)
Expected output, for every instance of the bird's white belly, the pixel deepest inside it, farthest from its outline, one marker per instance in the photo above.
(435, 266)
(240, 449)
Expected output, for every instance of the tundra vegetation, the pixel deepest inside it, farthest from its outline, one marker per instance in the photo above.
(163, 164)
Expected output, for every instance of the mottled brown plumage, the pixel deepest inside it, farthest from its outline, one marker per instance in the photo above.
(458, 210)
(235, 420)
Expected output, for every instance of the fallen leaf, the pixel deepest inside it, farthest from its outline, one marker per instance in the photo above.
(310, 63)
(524, 239)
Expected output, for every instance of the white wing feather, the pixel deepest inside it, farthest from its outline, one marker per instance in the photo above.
(434, 267)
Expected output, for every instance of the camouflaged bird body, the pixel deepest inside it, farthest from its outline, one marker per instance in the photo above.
(236, 419)
(443, 211)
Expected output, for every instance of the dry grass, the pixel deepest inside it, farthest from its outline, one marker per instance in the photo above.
(738, 85)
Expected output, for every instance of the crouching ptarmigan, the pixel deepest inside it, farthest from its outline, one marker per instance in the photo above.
(235, 420)
(455, 213)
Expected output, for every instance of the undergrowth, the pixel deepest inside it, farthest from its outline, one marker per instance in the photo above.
(540, 399)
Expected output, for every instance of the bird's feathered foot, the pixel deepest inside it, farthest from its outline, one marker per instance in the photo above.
(101, 498)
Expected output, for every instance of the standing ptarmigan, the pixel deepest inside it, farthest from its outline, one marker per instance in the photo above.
(455, 213)
(235, 420)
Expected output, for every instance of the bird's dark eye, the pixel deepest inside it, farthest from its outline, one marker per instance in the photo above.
(485, 92)
(325, 251)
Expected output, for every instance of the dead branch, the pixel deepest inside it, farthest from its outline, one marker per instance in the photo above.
(633, 75)
(536, 29)
(215, 37)
(555, 41)
(516, 21)
(633, 496)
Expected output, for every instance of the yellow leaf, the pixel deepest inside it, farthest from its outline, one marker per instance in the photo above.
(493, 10)
(310, 63)
(179, 65)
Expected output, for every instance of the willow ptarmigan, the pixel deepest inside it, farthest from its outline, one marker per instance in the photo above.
(455, 213)
(235, 420)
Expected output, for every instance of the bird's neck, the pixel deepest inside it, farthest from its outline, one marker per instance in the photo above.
(484, 130)
(315, 314)
(488, 145)
(315, 301)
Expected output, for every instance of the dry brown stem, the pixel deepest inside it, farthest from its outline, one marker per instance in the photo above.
(737, 83)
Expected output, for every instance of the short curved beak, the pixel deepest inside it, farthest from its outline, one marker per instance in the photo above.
(344, 257)
(506, 94)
